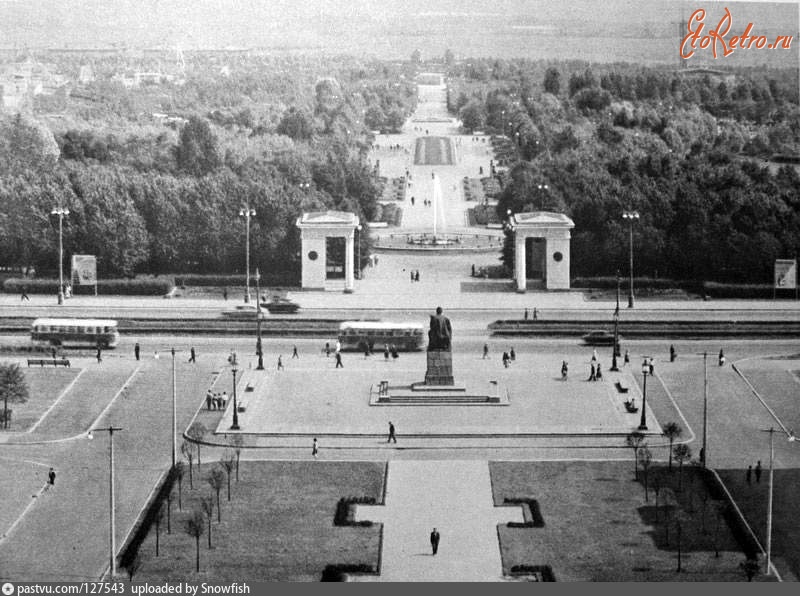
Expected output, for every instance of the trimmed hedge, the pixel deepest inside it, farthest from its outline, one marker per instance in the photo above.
(533, 515)
(280, 278)
(336, 573)
(344, 511)
(745, 291)
(545, 571)
(148, 286)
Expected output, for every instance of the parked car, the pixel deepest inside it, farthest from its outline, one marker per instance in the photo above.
(243, 312)
(600, 338)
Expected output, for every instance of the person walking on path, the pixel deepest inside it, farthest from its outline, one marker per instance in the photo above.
(512, 354)
(327, 349)
(208, 399)
(749, 475)
(338, 346)
(721, 357)
(192, 355)
(435, 537)
(24, 295)
(386, 352)
(136, 349)
(225, 293)
(592, 374)
(314, 448)
(526, 310)
(652, 367)
(51, 477)
(294, 352)
(599, 375)
(485, 351)
(339, 360)
(392, 437)
(535, 314)
(564, 370)
(758, 471)
(627, 358)
(505, 359)
(672, 354)
(594, 355)
(280, 362)
(99, 354)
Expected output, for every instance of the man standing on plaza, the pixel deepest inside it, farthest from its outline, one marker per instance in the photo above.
(758, 471)
(51, 477)
(294, 352)
(136, 350)
(192, 355)
(339, 360)
(392, 437)
(435, 537)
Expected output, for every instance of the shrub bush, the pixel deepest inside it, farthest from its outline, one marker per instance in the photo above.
(344, 511)
(336, 573)
(533, 515)
(146, 286)
(278, 278)
(744, 291)
(543, 571)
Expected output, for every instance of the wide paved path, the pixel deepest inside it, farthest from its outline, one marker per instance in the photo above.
(456, 498)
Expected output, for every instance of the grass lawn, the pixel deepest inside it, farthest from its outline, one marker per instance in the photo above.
(44, 387)
(598, 526)
(752, 500)
(278, 525)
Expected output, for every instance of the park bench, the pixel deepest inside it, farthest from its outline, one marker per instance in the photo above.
(54, 361)
(630, 407)
(620, 387)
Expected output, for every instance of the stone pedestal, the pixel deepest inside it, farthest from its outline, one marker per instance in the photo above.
(440, 368)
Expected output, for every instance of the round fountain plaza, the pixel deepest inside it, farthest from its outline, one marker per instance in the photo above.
(312, 397)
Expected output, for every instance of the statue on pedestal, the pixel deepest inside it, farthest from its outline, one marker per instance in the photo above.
(441, 332)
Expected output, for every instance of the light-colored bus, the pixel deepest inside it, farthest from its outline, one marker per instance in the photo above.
(358, 335)
(75, 332)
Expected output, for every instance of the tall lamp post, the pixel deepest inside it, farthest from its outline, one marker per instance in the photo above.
(704, 455)
(358, 248)
(791, 438)
(174, 412)
(614, 349)
(61, 212)
(630, 216)
(259, 351)
(235, 425)
(112, 544)
(247, 213)
(645, 372)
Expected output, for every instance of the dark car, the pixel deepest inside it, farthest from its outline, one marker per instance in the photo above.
(280, 306)
(600, 338)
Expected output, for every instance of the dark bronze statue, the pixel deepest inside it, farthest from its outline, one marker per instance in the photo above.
(440, 332)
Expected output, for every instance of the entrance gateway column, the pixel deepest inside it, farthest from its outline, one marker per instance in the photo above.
(327, 239)
(553, 261)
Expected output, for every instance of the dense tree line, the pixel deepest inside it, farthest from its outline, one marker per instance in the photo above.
(690, 152)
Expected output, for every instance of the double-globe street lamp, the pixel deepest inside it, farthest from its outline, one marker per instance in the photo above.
(61, 212)
(630, 216)
(112, 543)
(234, 370)
(247, 213)
(645, 372)
(259, 351)
(615, 349)
(790, 438)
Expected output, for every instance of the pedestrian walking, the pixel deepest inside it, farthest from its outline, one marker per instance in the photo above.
(192, 355)
(652, 367)
(53, 353)
(209, 397)
(535, 313)
(392, 437)
(24, 295)
(594, 355)
(627, 358)
(435, 537)
(592, 374)
(599, 375)
(339, 360)
(280, 362)
(225, 293)
(51, 477)
(99, 354)
(758, 471)
(136, 349)
(223, 399)
(721, 357)
(393, 352)
(327, 349)
(485, 351)
(416, 275)
(672, 354)
(526, 310)
(512, 354)
(294, 352)
(386, 351)
(505, 359)
(338, 346)
(314, 448)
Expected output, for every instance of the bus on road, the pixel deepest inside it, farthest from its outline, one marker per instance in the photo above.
(75, 332)
(360, 335)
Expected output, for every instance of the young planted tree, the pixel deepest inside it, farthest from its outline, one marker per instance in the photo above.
(195, 526)
(228, 463)
(682, 453)
(207, 503)
(133, 565)
(158, 518)
(237, 443)
(169, 499)
(13, 389)
(672, 431)
(635, 440)
(196, 432)
(215, 479)
(179, 471)
(645, 458)
(187, 449)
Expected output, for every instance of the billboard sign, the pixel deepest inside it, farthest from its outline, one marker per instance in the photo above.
(786, 274)
(84, 270)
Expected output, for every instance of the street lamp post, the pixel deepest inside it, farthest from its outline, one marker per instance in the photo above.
(704, 455)
(259, 351)
(235, 425)
(645, 371)
(358, 248)
(61, 212)
(614, 349)
(630, 216)
(112, 546)
(791, 438)
(247, 213)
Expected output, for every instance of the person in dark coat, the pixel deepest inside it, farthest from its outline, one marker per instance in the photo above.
(99, 354)
(339, 360)
(294, 352)
(749, 475)
(512, 354)
(435, 537)
(758, 471)
(51, 477)
(599, 375)
(672, 354)
(505, 359)
(564, 369)
(592, 374)
(192, 355)
(392, 438)
(136, 349)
